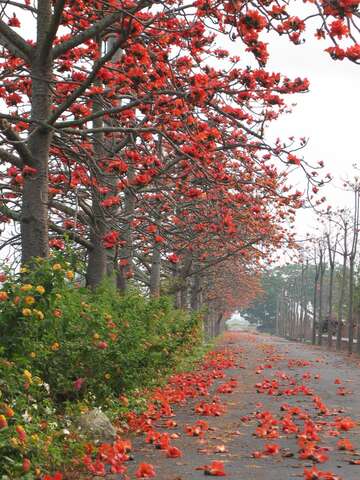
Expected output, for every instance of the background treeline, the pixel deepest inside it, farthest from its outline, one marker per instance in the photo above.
(318, 298)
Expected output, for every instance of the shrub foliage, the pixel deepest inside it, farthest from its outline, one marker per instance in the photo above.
(64, 348)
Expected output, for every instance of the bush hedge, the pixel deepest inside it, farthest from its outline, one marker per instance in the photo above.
(64, 348)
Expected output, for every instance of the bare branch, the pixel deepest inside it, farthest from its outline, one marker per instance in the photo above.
(15, 43)
(10, 158)
(17, 142)
(16, 216)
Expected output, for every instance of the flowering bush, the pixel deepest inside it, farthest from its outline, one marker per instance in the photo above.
(64, 349)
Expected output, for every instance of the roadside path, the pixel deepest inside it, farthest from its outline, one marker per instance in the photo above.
(291, 406)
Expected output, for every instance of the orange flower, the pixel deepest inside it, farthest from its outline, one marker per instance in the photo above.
(9, 412)
(29, 300)
(3, 296)
(145, 470)
(345, 444)
(21, 433)
(216, 469)
(3, 422)
(173, 452)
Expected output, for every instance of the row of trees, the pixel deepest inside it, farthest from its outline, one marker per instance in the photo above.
(129, 132)
(318, 299)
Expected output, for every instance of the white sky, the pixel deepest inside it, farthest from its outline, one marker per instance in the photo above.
(328, 115)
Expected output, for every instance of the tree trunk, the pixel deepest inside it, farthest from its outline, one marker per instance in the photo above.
(351, 306)
(330, 311)
(313, 338)
(195, 301)
(34, 208)
(352, 269)
(97, 256)
(184, 294)
(124, 272)
(321, 292)
(155, 271)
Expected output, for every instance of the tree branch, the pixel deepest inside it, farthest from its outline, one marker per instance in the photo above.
(15, 43)
(96, 29)
(19, 5)
(10, 158)
(53, 28)
(16, 216)
(81, 89)
(17, 142)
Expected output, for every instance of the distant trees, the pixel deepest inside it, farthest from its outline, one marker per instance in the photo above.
(333, 310)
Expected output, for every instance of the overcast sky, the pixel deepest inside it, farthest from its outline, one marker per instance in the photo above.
(328, 114)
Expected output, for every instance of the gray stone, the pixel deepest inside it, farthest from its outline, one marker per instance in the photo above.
(96, 426)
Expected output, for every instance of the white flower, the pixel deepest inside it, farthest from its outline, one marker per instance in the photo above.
(27, 417)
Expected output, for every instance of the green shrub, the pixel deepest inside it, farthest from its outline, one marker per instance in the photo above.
(85, 343)
(64, 349)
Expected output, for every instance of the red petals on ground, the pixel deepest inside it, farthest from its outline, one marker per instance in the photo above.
(271, 449)
(214, 409)
(145, 470)
(345, 424)
(227, 387)
(315, 474)
(345, 444)
(200, 427)
(216, 469)
(173, 452)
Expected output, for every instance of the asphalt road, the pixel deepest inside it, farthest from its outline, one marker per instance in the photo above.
(324, 389)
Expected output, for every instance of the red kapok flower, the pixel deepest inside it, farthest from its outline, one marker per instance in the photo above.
(145, 470)
(173, 452)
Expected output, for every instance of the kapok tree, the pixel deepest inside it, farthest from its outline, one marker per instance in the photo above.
(53, 81)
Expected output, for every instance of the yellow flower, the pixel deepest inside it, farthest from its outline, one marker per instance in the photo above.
(35, 437)
(39, 314)
(26, 287)
(37, 381)
(40, 289)
(24, 270)
(27, 375)
(96, 336)
(58, 296)
(107, 376)
(57, 266)
(32, 354)
(55, 346)
(69, 275)
(14, 442)
(26, 312)
(29, 300)
(9, 412)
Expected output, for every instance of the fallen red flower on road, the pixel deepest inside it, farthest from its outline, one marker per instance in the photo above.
(173, 452)
(145, 470)
(216, 469)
